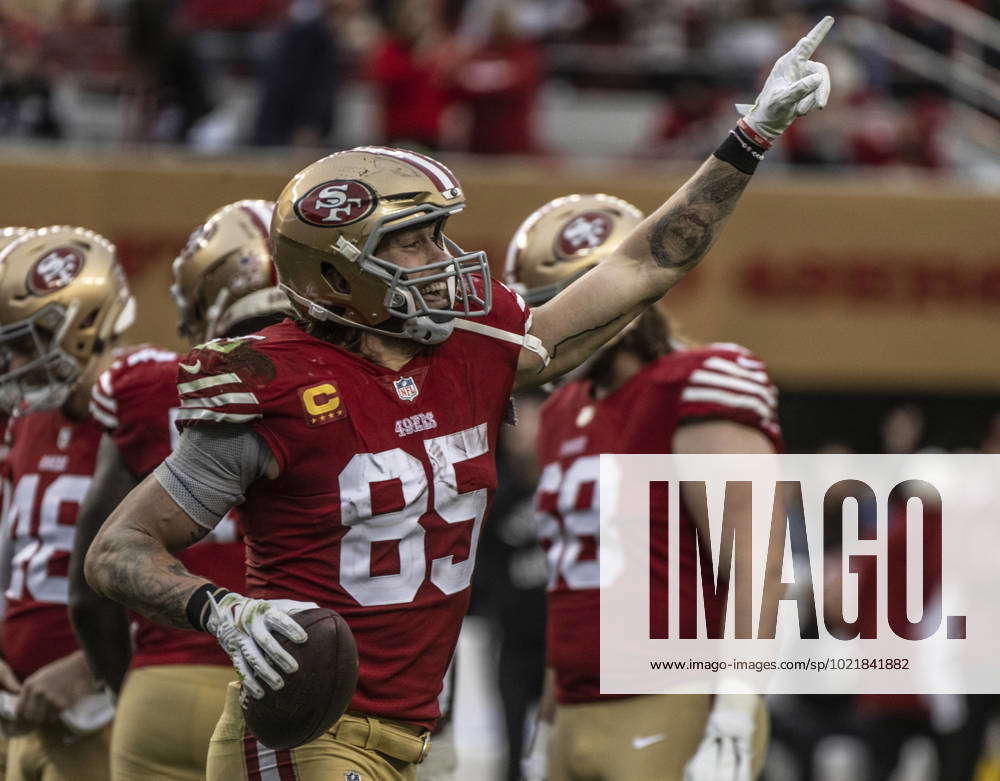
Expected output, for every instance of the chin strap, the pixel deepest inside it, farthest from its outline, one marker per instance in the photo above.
(528, 341)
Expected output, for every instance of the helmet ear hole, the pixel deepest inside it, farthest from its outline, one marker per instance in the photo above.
(88, 321)
(336, 279)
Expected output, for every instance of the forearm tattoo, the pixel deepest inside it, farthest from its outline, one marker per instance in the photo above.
(146, 578)
(684, 233)
(585, 332)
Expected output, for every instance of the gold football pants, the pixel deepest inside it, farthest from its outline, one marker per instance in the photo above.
(164, 720)
(44, 755)
(356, 748)
(642, 738)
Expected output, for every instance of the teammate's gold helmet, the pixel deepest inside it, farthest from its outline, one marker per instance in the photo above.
(225, 273)
(63, 300)
(10, 235)
(564, 239)
(327, 226)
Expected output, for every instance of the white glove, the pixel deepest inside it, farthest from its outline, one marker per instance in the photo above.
(534, 763)
(726, 751)
(795, 87)
(244, 627)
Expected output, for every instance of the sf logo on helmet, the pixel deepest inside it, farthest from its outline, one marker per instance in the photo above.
(584, 232)
(335, 203)
(54, 270)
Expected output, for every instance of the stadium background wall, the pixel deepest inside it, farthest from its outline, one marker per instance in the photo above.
(868, 284)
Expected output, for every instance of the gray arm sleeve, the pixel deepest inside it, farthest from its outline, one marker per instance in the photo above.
(211, 469)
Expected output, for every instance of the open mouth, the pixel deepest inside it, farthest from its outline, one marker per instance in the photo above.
(435, 294)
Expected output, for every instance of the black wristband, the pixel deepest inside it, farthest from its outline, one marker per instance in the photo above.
(740, 151)
(197, 607)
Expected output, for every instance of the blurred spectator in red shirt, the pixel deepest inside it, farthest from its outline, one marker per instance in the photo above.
(889, 134)
(497, 81)
(696, 111)
(26, 105)
(408, 67)
(921, 130)
(231, 14)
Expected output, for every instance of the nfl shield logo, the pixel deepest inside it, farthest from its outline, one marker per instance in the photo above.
(352, 775)
(406, 388)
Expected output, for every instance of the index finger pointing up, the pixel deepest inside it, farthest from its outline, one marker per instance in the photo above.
(808, 43)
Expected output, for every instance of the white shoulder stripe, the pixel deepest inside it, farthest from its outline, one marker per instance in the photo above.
(208, 382)
(731, 367)
(217, 417)
(749, 363)
(102, 417)
(105, 401)
(220, 400)
(152, 354)
(737, 348)
(719, 380)
(726, 399)
(105, 382)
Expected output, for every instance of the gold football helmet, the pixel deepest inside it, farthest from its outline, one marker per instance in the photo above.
(225, 273)
(10, 235)
(327, 226)
(564, 239)
(63, 300)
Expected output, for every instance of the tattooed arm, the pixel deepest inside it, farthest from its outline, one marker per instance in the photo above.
(131, 559)
(657, 255)
(207, 474)
(670, 242)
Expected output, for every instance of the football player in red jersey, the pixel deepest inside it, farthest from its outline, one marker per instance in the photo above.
(359, 438)
(8, 682)
(64, 301)
(644, 392)
(224, 286)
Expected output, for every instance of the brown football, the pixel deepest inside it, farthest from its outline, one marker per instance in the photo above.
(315, 695)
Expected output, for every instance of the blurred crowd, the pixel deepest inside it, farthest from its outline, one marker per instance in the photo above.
(470, 75)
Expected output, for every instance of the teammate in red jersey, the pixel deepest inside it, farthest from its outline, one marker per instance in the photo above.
(644, 392)
(224, 286)
(360, 437)
(63, 303)
(7, 680)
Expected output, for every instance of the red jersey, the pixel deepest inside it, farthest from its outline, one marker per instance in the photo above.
(716, 382)
(4, 477)
(499, 83)
(4, 487)
(4, 447)
(50, 464)
(413, 96)
(136, 402)
(386, 477)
